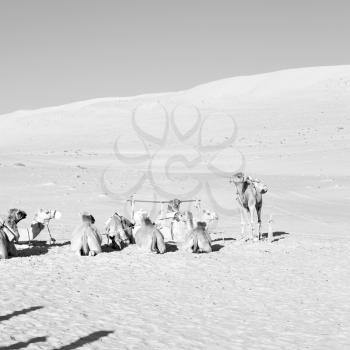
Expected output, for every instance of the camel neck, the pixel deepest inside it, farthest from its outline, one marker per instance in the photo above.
(12, 222)
(189, 223)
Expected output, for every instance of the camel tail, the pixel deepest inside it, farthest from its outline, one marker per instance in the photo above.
(84, 243)
(154, 242)
(195, 242)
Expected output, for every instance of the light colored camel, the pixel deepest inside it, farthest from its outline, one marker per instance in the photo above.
(9, 232)
(138, 218)
(41, 221)
(249, 198)
(198, 238)
(86, 239)
(209, 217)
(170, 226)
(148, 238)
(119, 230)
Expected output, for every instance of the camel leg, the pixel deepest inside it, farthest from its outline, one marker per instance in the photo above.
(160, 243)
(243, 223)
(258, 212)
(252, 228)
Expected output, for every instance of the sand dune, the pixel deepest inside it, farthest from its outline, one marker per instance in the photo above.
(292, 131)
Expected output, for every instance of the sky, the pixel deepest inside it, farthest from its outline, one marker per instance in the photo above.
(58, 51)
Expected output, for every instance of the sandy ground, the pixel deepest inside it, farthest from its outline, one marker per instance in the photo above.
(292, 293)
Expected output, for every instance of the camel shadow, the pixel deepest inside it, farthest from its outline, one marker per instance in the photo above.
(32, 251)
(37, 248)
(59, 244)
(277, 235)
(216, 247)
(22, 345)
(171, 247)
(84, 340)
(225, 239)
(19, 312)
(107, 249)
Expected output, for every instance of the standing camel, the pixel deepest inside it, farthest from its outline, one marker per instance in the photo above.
(249, 198)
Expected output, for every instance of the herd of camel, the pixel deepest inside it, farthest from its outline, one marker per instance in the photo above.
(191, 233)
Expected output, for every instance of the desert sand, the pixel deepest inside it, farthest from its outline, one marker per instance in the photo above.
(292, 132)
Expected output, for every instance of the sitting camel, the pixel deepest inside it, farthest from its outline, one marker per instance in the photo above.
(119, 230)
(41, 220)
(198, 238)
(148, 238)
(9, 233)
(210, 218)
(86, 239)
(249, 197)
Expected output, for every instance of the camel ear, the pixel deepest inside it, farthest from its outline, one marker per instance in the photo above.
(13, 211)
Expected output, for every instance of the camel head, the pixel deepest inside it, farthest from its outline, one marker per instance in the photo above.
(208, 216)
(45, 215)
(185, 216)
(238, 178)
(16, 215)
(174, 205)
(201, 225)
(87, 217)
(140, 216)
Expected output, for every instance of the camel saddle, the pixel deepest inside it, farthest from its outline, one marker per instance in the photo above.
(258, 184)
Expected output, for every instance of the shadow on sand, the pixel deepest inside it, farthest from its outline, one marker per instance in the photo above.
(171, 247)
(225, 239)
(37, 248)
(19, 312)
(84, 340)
(22, 345)
(216, 247)
(277, 235)
(74, 345)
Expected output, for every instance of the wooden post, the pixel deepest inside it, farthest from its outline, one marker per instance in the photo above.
(270, 230)
(198, 207)
(171, 230)
(133, 207)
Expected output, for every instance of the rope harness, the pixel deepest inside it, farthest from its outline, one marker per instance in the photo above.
(4, 226)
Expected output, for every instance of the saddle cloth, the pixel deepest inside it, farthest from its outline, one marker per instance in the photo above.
(258, 184)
